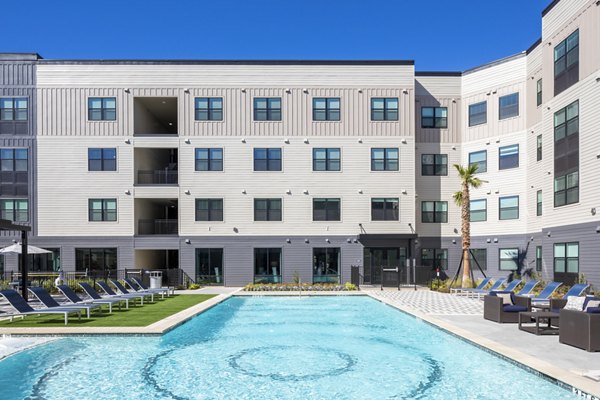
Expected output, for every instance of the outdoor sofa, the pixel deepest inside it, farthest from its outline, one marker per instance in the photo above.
(504, 307)
(581, 328)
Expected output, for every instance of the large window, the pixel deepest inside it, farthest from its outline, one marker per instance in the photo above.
(326, 109)
(479, 158)
(385, 209)
(267, 109)
(267, 159)
(509, 207)
(267, 265)
(434, 211)
(508, 106)
(102, 210)
(326, 159)
(13, 160)
(434, 164)
(538, 208)
(566, 258)
(566, 155)
(538, 148)
(13, 109)
(209, 266)
(539, 92)
(384, 159)
(102, 159)
(538, 258)
(209, 209)
(434, 117)
(509, 259)
(96, 260)
(509, 157)
(478, 113)
(16, 210)
(566, 63)
(566, 189)
(326, 210)
(267, 210)
(102, 109)
(434, 258)
(384, 109)
(326, 264)
(209, 159)
(209, 108)
(13, 172)
(478, 257)
(478, 210)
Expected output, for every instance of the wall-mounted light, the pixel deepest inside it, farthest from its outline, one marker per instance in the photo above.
(243, 191)
(287, 141)
(454, 100)
(306, 241)
(489, 192)
(187, 141)
(289, 191)
(453, 241)
(495, 240)
(497, 191)
(405, 91)
(531, 238)
(593, 210)
(360, 90)
(288, 90)
(598, 229)
(305, 191)
(288, 240)
(188, 241)
(243, 90)
(549, 234)
(243, 140)
(127, 141)
(498, 140)
(305, 90)
(306, 140)
(359, 140)
(360, 191)
(127, 191)
(328, 241)
(355, 240)
(187, 191)
(403, 141)
(489, 240)
(487, 142)
(488, 94)
(349, 240)
(186, 90)
(126, 90)
(453, 147)
(403, 191)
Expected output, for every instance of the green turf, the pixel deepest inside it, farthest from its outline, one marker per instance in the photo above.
(134, 316)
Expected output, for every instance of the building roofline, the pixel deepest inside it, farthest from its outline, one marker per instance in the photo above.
(494, 63)
(230, 62)
(438, 73)
(20, 57)
(549, 7)
(533, 46)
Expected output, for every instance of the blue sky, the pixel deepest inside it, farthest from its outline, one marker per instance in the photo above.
(445, 35)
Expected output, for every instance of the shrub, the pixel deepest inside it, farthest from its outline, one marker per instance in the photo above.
(294, 287)
(194, 286)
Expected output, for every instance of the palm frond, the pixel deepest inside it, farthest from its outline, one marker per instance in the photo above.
(458, 196)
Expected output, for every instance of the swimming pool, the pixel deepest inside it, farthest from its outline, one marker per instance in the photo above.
(333, 347)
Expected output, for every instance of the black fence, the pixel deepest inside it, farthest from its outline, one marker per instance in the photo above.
(390, 276)
(157, 177)
(157, 227)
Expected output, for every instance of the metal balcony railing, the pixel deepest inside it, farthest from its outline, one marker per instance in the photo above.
(157, 227)
(157, 177)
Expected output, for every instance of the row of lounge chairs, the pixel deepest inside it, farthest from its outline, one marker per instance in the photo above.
(137, 291)
(480, 290)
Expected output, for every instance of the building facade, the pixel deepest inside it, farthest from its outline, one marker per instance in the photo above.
(267, 171)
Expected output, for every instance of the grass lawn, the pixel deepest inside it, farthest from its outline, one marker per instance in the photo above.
(134, 316)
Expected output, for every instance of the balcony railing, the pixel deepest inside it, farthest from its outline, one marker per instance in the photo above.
(157, 177)
(157, 227)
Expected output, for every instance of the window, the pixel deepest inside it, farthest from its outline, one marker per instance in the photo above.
(539, 92)
(434, 117)
(539, 148)
(508, 106)
(13, 160)
(326, 159)
(509, 157)
(102, 159)
(267, 109)
(384, 209)
(478, 113)
(478, 210)
(434, 164)
(478, 257)
(209, 266)
(209, 109)
(566, 121)
(509, 259)
(326, 264)
(384, 109)
(434, 258)
(209, 209)
(102, 109)
(267, 209)
(267, 265)
(384, 159)
(267, 159)
(566, 257)
(15, 210)
(434, 211)
(566, 63)
(209, 159)
(326, 109)
(509, 207)
(90, 260)
(479, 158)
(102, 209)
(566, 189)
(13, 109)
(326, 210)
(538, 258)
(539, 198)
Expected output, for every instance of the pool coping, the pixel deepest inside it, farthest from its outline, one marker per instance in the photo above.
(579, 385)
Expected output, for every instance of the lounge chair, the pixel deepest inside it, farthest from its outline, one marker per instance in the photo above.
(138, 289)
(483, 292)
(124, 290)
(104, 286)
(527, 288)
(576, 290)
(544, 296)
(23, 308)
(90, 291)
(73, 298)
(141, 284)
(511, 286)
(461, 291)
(46, 299)
(503, 306)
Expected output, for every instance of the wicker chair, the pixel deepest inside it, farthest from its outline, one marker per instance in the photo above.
(495, 310)
(580, 329)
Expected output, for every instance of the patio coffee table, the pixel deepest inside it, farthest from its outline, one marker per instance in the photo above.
(531, 317)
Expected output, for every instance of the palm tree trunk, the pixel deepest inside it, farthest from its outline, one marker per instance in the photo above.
(466, 234)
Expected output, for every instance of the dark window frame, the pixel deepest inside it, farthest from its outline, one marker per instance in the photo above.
(213, 163)
(104, 160)
(500, 259)
(504, 161)
(270, 211)
(329, 162)
(327, 278)
(15, 111)
(330, 214)
(213, 214)
(211, 252)
(387, 113)
(15, 214)
(436, 122)
(508, 111)
(567, 62)
(271, 163)
(87, 251)
(566, 155)
(271, 113)
(13, 160)
(566, 257)
(106, 214)
(539, 88)
(482, 263)
(435, 169)
(538, 148)
(473, 115)
(329, 111)
(508, 209)
(389, 211)
(213, 113)
(434, 262)
(435, 216)
(479, 163)
(105, 112)
(538, 203)
(389, 163)
(269, 277)
(538, 258)
(484, 211)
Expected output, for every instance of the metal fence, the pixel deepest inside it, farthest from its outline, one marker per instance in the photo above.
(157, 177)
(157, 227)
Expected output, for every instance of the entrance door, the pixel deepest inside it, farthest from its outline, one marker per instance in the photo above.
(377, 257)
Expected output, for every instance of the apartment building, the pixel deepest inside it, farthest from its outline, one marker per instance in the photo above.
(264, 171)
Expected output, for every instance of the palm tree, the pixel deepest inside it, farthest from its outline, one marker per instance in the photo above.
(462, 199)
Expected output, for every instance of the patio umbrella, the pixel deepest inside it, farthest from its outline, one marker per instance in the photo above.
(16, 249)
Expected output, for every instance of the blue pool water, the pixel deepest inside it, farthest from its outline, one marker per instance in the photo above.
(274, 348)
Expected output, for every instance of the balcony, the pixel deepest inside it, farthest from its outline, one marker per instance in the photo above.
(156, 216)
(157, 227)
(155, 116)
(155, 166)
